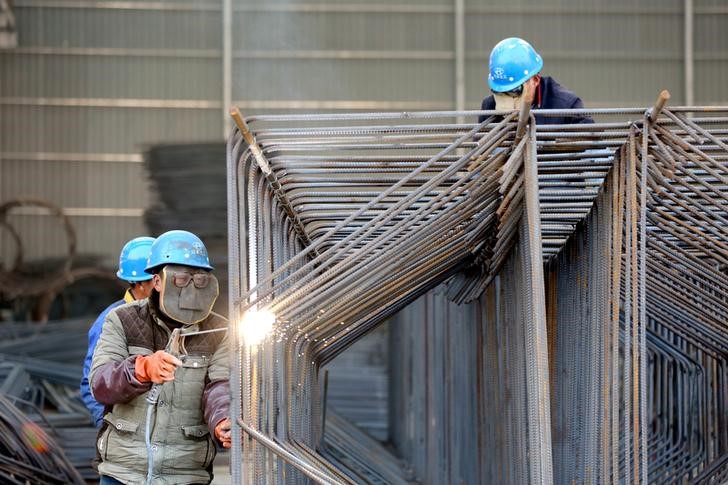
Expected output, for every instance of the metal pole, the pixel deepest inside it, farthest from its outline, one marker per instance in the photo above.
(536, 334)
(234, 290)
(642, 292)
(227, 64)
(460, 58)
(688, 44)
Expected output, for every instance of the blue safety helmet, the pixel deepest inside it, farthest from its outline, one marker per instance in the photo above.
(133, 260)
(178, 247)
(512, 62)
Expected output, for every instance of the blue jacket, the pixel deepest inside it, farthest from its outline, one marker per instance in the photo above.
(551, 95)
(96, 409)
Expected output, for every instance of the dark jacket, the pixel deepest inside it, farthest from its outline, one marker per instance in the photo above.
(96, 409)
(550, 95)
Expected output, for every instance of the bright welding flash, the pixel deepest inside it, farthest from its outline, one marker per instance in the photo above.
(256, 325)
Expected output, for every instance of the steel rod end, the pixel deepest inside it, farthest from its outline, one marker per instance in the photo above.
(662, 99)
(237, 116)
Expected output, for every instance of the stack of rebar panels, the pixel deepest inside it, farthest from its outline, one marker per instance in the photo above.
(558, 294)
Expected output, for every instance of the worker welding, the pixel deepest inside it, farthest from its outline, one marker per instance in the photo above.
(160, 369)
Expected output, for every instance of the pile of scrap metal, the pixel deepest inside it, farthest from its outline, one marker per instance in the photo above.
(188, 183)
(28, 454)
(559, 294)
(41, 282)
(40, 371)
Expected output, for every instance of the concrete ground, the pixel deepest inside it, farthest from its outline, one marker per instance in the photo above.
(221, 469)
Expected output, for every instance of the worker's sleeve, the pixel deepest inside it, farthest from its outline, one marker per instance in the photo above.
(216, 396)
(216, 403)
(96, 409)
(112, 369)
(579, 104)
(487, 105)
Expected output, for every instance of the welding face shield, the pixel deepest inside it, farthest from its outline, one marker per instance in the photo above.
(186, 294)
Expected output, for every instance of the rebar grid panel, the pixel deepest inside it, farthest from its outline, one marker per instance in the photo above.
(665, 275)
(584, 304)
(395, 204)
(686, 288)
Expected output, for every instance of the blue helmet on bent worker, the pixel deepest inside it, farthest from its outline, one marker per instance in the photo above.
(515, 80)
(513, 61)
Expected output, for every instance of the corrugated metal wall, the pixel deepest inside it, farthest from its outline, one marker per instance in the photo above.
(612, 53)
(90, 85)
(711, 51)
(93, 82)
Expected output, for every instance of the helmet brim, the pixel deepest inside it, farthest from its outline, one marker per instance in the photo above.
(155, 268)
(134, 279)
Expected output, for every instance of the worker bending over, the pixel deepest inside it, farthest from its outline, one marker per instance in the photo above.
(514, 77)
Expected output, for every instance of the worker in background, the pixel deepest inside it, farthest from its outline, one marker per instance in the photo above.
(132, 261)
(193, 408)
(514, 77)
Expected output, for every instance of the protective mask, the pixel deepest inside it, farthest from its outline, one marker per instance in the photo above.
(503, 102)
(187, 297)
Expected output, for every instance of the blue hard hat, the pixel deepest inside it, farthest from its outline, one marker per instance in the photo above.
(133, 259)
(178, 247)
(512, 62)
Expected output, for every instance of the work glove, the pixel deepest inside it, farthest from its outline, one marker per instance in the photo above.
(223, 433)
(157, 368)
